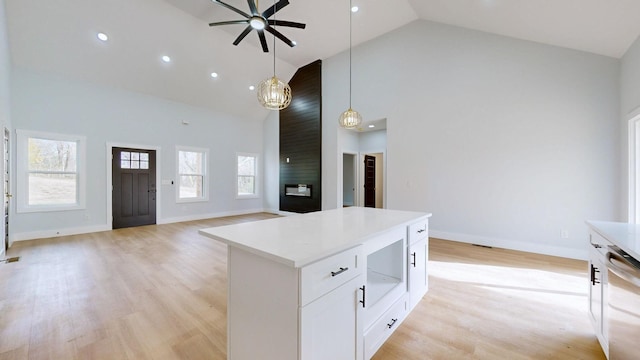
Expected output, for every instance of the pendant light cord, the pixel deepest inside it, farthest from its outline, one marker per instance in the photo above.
(350, 31)
(275, 9)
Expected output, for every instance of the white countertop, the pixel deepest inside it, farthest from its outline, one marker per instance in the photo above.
(299, 240)
(625, 236)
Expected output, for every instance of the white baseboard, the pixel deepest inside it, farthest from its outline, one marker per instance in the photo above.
(194, 217)
(42, 234)
(571, 253)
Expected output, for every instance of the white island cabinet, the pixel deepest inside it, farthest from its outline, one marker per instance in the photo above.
(325, 285)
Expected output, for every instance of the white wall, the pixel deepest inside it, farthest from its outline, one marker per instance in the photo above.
(506, 142)
(5, 74)
(629, 106)
(108, 115)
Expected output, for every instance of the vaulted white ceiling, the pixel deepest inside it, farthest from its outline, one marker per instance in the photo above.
(58, 37)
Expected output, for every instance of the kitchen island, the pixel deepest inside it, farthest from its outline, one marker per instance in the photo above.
(326, 285)
(614, 286)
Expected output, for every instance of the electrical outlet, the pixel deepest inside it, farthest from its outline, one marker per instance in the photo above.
(564, 233)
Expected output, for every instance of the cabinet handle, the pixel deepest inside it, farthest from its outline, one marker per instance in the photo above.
(363, 295)
(421, 231)
(334, 273)
(393, 322)
(414, 259)
(594, 280)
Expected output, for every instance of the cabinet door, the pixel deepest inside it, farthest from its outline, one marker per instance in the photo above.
(595, 294)
(417, 264)
(331, 326)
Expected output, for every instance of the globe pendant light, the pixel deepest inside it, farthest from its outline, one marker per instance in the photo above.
(273, 93)
(350, 119)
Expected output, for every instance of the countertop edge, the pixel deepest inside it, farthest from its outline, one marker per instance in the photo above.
(597, 226)
(299, 263)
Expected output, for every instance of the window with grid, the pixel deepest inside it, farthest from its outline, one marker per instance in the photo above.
(134, 160)
(192, 174)
(247, 175)
(50, 171)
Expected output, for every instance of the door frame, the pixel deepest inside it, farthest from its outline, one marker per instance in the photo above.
(109, 191)
(369, 159)
(6, 239)
(356, 169)
(361, 175)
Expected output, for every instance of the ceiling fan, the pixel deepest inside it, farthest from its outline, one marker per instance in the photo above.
(260, 22)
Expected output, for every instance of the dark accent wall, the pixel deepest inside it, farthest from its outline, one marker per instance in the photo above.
(301, 139)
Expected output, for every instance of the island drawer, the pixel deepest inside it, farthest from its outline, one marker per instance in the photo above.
(419, 230)
(327, 274)
(384, 326)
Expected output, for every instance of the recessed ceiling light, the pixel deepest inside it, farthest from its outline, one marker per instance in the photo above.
(102, 36)
(166, 59)
(252, 87)
(354, 8)
(371, 126)
(214, 74)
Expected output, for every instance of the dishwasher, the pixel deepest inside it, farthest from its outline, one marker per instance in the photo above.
(623, 305)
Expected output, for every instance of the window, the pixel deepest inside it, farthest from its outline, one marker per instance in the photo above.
(134, 160)
(50, 171)
(192, 173)
(247, 176)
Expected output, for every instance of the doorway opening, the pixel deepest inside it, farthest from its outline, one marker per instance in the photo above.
(363, 186)
(7, 191)
(634, 167)
(349, 179)
(133, 180)
(373, 180)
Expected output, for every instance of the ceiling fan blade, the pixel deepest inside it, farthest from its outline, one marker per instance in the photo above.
(275, 8)
(232, 8)
(280, 36)
(286, 23)
(253, 7)
(229, 22)
(242, 35)
(263, 40)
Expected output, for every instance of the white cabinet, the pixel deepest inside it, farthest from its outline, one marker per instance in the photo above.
(418, 279)
(280, 312)
(331, 326)
(386, 276)
(417, 259)
(384, 326)
(598, 288)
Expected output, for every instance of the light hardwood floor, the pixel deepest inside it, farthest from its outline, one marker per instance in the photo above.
(159, 292)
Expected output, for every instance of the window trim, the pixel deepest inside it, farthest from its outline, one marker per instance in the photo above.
(22, 171)
(205, 174)
(633, 119)
(256, 194)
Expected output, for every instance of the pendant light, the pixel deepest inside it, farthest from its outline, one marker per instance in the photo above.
(273, 93)
(350, 119)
